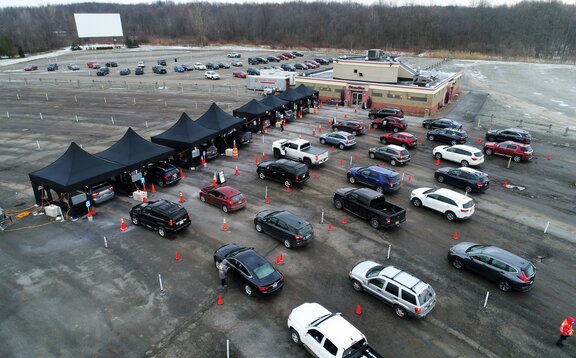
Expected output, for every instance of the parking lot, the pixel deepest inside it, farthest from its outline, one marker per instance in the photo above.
(65, 294)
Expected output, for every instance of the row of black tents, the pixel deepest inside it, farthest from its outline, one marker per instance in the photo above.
(76, 168)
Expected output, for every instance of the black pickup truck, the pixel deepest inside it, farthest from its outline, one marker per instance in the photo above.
(369, 205)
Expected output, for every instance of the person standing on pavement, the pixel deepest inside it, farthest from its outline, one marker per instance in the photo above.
(566, 330)
(282, 123)
(222, 272)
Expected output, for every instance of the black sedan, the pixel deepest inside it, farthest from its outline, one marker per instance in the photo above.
(257, 274)
(509, 271)
(466, 178)
(300, 66)
(285, 171)
(513, 134)
(441, 123)
(448, 135)
(291, 230)
(288, 67)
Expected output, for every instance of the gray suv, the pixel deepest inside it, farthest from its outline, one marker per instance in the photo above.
(394, 154)
(407, 294)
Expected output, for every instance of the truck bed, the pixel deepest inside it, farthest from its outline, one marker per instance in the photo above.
(314, 150)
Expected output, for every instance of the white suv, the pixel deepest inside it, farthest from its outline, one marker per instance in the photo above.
(212, 75)
(199, 66)
(463, 154)
(448, 202)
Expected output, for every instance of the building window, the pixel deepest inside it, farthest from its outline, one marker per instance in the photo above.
(360, 74)
(338, 90)
(355, 71)
(376, 94)
(325, 89)
(417, 99)
(394, 96)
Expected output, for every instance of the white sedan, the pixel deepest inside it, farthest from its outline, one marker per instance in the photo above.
(448, 202)
(199, 66)
(212, 75)
(463, 154)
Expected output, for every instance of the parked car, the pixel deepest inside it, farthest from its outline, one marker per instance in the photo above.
(92, 64)
(451, 204)
(237, 63)
(223, 65)
(403, 139)
(381, 179)
(258, 276)
(162, 174)
(369, 205)
(509, 271)
(159, 69)
(289, 229)
(447, 135)
(188, 67)
(31, 68)
(73, 67)
(350, 126)
(386, 112)
(226, 198)
(100, 192)
(299, 150)
(212, 66)
(285, 171)
(289, 115)
(253, 71)
(335, 101)
(210, 151)
(510, 134)
(408, 295)
(124, 71)
(342, 140)
(300, 66)
(289, 54)
(234, 55)
(239, 74)
(441, 123)
(288, 67)
(459, 153)
(466, 178)
(141, 64)
(272, 59)
(199, 66)
(394, 154)
(161, 62)
(298, 53)
(163, 216)
(52, 67)
(518, 152)
(102, 71)
(212, 75)
(311, 64)
(111, 64)
(179, 69)
(282, 56)
(253, 61)
(139, 71)
(261, 60)
(241, 137)
(390, 123)
(322, 61)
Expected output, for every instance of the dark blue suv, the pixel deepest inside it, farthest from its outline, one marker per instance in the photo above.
(381, 179)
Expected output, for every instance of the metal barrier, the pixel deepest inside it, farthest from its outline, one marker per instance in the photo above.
(521, 123)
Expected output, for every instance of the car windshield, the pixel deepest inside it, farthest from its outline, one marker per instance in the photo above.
(526, 149)
(354, 348)
(405, 153)
(529, 271)
(238, 197)
(304, 230)
(429, 191)
(264, 270)
(468, 204)
(426, 295)
(374, 271)
(478, 154)
(476, 249)
(394, 178)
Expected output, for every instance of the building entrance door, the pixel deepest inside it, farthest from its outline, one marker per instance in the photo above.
(356, 98)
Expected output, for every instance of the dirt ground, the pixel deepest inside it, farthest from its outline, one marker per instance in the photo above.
(64, 294)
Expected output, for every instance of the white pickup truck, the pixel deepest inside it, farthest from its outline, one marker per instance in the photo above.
(299, 150)
(327, 335)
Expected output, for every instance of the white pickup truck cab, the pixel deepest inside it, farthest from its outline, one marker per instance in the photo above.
(299, 150)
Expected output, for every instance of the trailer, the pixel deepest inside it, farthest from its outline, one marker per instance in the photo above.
(274, 82)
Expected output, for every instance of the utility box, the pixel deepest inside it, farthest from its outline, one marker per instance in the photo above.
(52, 210)
(139, 195)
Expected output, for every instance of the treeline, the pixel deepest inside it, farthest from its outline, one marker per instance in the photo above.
(533, 29)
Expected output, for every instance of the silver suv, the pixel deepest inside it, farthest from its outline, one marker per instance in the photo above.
(407, 294)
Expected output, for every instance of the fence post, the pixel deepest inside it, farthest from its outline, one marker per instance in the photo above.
(566, 132)
(550, 128)
(520, 123)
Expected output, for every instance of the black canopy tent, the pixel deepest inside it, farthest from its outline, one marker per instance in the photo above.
(74, 170)
(306, 91)
(133, 151)
(219, 121)
(291, 95)
(185, 133)
(273, 102)
(251, 110)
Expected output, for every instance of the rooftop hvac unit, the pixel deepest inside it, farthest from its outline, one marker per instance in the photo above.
(374, 54)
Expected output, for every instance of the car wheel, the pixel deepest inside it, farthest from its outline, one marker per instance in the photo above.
(287, 244)
(453, 142)
(383, 140)
(464, 163)
(334, 129)
(135, 220)
(416, 202)
(202, 199)
(504, 286)
(372, 117)
(450, 216)
(322, 141)
(352, 179)
(430, 137)
(307, 161)
(338, 204)
(261, 175)
(341, 146)
(354, 133)
(161, 183)
(488, 151)
(371, 155)
(517, 158)
(258, 227)
(287, 183)
(375, 223)
(491, 139)
(277, 154)
(162, 231)
(248, 290)
(438, 155)
(468, 189)
(357, 286)
(427, 126)
(295, 337)
(457, 264)
(225, 208)
(400, 311)
(374, 126)
(440, 179)
(395, 130)
(380, 189)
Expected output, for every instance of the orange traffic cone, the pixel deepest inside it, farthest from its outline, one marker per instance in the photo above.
(344, 220)
(144, 187)
(287, 189)
(122, 225)
(202, 160)
(224, 225)
(220, 300)
(214, 180)
(437, 161)
(320, 128)
(314, 176)
(279, 259)
(332, 148)
(455, 236)
(267, 200)
(144, 200)
(345, 116)
(368, 129)
(181, 197)
(358, 310)
(329, 227)
(341, 162)
(355, 110)
(505, 184)
(256, 160)
(93, 210)
(153, 188)
(236, 172)
(178, 257)
(263, 157)
(409, 177)
(313, 131)
(548, 157)
(181, 174)
(89, 213)
(320, 104)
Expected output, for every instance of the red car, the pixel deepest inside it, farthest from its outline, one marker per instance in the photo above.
(395, 124)
(31, 68)
(289, 55)
(92, 64)
(224, 197)
(282, 56)
(518, 152)
(354, 127)
(311, 64)
(403, 139)
(239, 74)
